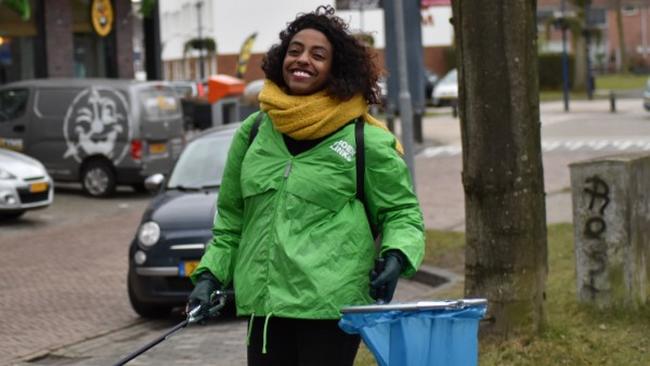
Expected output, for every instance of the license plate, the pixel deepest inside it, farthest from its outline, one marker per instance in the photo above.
(157, 148)
(186, 268)
(38, 187)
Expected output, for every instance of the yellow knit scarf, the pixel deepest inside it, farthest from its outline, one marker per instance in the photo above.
(308, 117)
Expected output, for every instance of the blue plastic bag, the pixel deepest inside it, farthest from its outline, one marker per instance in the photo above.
(444, 334)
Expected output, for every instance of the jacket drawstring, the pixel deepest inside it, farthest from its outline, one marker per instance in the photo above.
(266, 324)
(250, 330)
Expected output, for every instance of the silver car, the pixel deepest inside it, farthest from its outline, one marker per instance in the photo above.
(24, 184)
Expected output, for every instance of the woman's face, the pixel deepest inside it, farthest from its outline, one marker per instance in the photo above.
(307, 63)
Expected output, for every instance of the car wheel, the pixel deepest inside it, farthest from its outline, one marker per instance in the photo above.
(11, 215)
(146, 310)
(98, 179)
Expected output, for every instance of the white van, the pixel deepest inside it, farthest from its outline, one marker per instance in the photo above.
(100, 132)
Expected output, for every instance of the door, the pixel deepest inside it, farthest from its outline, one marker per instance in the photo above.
(49, 141)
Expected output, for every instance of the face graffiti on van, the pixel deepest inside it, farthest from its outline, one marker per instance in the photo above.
(95, 121)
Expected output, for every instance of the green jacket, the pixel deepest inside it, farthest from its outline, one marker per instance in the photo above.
(291, 234)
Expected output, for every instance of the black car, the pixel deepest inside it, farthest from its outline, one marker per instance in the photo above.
(177, 225)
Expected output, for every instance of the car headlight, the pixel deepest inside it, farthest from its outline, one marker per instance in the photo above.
(6, 175)
(149, 233)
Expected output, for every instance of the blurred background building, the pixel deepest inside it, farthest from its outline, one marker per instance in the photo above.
(69, 38)
(228, 24)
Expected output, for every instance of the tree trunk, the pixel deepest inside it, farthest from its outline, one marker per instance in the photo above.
(580, 59)
(506, 259)
(621, 37)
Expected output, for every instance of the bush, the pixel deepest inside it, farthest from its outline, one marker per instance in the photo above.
(550, 71)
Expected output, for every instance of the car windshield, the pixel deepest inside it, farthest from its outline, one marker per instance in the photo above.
(201, 164)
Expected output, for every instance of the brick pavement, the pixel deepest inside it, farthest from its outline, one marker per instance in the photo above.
(65, 283)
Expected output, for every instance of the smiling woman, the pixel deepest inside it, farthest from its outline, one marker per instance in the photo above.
(292, 233)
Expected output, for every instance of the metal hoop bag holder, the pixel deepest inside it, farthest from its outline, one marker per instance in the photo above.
(419, 333)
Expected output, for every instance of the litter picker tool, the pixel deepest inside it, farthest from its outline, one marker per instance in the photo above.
(195, 315)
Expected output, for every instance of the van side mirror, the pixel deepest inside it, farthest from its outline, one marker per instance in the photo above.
(154, 182)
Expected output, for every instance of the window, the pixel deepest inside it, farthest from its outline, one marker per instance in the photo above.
(54, 103)
(629, 10)
(13, 103)
(159, 102)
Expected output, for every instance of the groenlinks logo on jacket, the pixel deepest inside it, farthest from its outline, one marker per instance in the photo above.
(95, 120)
(344, 149)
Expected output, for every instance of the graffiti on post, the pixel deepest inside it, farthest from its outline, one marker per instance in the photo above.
(599, 191)
(595, 226)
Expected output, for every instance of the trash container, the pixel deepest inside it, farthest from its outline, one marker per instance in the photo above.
(224, 93)
(419, 333)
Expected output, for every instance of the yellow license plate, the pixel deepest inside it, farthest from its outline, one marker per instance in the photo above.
(188, 267)
(157, 148)
(38, 187)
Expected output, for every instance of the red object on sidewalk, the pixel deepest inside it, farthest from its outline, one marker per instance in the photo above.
(220, 86)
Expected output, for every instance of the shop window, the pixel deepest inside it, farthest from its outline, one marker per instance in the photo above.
(93, 54)
(17, 43)
(13, 103)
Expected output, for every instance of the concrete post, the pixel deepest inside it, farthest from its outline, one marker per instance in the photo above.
(611, 218)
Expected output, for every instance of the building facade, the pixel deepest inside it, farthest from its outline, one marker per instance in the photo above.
(230, 23)
(605, 50)
(67, 38)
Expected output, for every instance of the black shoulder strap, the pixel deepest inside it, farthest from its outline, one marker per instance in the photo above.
(360, 159)
(360, 155)
(255, 127)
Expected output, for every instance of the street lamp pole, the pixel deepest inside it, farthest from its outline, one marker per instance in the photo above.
(405, 110)
(565, 59)
(590, 78)
(199, 4)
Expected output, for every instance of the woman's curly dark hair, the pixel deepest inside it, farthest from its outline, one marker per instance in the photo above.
(353, 68)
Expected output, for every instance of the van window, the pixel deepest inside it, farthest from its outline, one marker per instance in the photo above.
(13, 103)
(159, 102)
(54, 103)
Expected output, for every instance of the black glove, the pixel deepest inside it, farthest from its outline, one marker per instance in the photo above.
(383, 281)
(205, 286)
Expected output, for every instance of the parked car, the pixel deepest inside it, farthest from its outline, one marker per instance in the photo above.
(177, 224)
(430, 80)
(445, 92)
(646, 96)
(188, 89)
(24, 184)
(100, 132)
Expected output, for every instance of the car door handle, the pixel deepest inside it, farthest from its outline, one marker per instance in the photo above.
(19, 128)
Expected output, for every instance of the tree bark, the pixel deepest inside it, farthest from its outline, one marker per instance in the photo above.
(580, 59)
(621, 37)
(506, 255)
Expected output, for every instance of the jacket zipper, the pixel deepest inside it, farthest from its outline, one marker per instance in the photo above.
(287, 169)
(285, 175)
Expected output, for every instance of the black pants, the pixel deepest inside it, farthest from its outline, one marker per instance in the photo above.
(301, 342)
